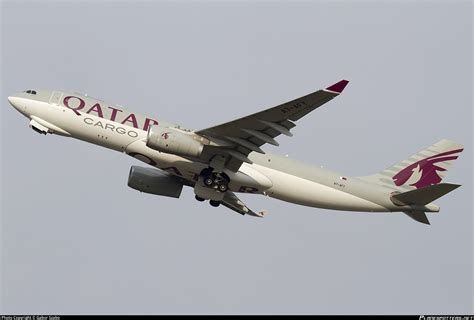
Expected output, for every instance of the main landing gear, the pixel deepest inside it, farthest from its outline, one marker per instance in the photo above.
(211, 186)
(213, 203)
(215, 180)
(198, 198)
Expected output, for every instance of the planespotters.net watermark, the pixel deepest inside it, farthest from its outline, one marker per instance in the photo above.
(446, 318)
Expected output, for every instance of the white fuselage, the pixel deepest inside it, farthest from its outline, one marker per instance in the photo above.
(274, 176)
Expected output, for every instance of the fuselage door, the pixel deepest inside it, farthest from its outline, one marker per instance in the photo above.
(56, 97)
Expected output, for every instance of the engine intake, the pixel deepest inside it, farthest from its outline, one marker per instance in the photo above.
(172, 141)
(154, 181)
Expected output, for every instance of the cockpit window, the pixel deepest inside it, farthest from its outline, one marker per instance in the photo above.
(31, 91)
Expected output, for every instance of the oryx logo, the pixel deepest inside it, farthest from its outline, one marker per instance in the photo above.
(424, 172)
(165, 135)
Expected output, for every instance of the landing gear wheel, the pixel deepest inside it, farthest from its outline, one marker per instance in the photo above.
(199, 198)
(223, 187)
(214, 203)
(216, 180)
(208, 181)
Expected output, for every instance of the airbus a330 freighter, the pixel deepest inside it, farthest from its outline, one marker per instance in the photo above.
(226, 159)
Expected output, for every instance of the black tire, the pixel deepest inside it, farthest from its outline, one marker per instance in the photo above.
(199, 198)
(208, 181)
(223, 187)
(214, 203)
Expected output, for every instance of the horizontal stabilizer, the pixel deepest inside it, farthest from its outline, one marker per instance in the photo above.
(424, 195)
(419, 216)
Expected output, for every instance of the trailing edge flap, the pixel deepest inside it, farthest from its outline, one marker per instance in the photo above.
(419, 216)
(424, 195)
(232, 202)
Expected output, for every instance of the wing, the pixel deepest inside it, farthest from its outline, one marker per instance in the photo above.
(234, 140)
(232, 202)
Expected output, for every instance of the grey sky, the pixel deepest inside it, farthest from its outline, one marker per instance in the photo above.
(76, 239)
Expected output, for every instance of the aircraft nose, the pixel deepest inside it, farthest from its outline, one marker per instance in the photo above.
(18, 103)
(15, 102)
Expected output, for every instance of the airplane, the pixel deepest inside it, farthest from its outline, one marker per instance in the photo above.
(221, 161)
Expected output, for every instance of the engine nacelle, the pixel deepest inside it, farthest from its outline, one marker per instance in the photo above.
(154, 181)
(172, 141)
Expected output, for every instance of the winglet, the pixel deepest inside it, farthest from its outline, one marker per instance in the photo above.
(262, 213)
(338, 87)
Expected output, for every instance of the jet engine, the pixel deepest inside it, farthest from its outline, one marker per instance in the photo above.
(154, 181)
(170, 140)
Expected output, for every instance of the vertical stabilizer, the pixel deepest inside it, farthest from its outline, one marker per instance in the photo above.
(425, 168)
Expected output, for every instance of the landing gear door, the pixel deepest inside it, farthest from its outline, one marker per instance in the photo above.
(56, 98)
